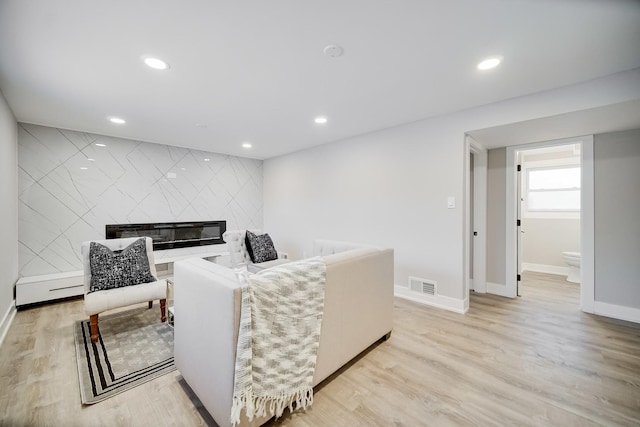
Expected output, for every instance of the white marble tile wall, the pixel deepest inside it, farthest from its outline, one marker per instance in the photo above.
(70, 188)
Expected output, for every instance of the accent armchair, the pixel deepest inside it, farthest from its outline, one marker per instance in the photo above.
(110, 253)
(239, 254)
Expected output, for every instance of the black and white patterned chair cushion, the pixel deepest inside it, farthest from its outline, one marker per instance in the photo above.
(111, 270)
(260, 247)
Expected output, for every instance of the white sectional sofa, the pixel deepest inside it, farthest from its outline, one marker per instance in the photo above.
(358, 311)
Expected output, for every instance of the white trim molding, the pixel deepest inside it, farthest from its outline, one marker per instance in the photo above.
(452, 304)
(587, 228)
(620, 312)
(6, 322)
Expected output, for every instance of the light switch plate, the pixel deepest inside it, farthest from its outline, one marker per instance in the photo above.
(451, 202)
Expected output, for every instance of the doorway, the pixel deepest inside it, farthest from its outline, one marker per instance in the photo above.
(530, 196)
(549, 213)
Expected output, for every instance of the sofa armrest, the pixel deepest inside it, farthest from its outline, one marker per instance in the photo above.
(358, 306)
(207, 309)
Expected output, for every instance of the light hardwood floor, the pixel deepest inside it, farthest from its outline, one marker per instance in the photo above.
(536, 360)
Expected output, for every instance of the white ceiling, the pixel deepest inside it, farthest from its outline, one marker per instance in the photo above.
(254, 70)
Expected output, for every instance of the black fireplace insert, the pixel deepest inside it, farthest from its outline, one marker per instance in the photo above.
(170, 235)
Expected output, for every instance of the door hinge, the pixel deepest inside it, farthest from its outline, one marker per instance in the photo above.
(518, 278)
(519, 168)
(518, 223)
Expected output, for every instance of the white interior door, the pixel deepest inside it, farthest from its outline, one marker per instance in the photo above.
(477, 217)
(473, 233)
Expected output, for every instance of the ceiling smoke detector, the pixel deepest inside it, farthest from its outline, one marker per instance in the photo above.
(333, 51)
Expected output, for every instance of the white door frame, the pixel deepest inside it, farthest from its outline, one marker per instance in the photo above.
(479, 217)
(587, 252)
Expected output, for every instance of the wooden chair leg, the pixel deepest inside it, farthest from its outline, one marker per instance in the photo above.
(163, 309)
(150, 305)
(93, 321)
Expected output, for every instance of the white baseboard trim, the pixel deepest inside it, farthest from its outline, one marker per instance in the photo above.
(497, 289)
(440, 301)
(5, 324)
(544, 268)
(614, 311)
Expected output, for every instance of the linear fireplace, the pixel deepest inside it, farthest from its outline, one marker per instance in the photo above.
(170, 235)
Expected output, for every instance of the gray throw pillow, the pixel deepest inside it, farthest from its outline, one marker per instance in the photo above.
(260, 248)
(111, 270)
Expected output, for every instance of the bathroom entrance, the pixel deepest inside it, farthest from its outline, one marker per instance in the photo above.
(548, 215)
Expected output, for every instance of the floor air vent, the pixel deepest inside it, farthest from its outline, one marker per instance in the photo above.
(423, 286)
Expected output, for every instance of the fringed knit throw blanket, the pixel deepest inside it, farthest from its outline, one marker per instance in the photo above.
(280, 321)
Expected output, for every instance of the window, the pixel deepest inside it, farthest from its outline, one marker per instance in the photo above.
(553, 189)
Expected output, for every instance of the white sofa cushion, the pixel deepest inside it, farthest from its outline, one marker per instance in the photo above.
(99, 301)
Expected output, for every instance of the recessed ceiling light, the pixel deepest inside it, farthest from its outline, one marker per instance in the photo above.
(100, 145)
(90, 159)
(117, 120)
(320, 120)
(84, 168)
(490, 63)
(206, 160)
(156, 63)
(246, 145)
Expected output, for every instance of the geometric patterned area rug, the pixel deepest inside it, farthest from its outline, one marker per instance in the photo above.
(134, 347)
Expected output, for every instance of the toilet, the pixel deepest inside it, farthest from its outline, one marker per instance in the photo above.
(573, 261)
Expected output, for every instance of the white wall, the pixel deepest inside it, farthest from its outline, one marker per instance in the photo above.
(61, 205)
(8, 213)
(383, 188)
(545, 239)
(496, 215)
(617, 210)
(390, 187)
